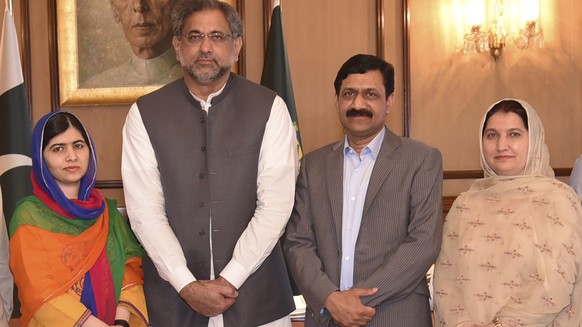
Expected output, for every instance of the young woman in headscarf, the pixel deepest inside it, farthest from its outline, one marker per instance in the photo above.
(74, 258)
(512, 244)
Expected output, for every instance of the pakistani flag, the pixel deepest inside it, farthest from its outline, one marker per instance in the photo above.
(15, 128)
(276, 75)
(15, 131)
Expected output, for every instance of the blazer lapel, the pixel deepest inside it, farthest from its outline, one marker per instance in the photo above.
(335, 173)
(387, 158)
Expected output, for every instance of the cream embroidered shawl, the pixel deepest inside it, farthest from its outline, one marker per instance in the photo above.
(512, 248)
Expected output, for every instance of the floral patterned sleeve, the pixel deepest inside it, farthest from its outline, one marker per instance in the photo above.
(553, 291)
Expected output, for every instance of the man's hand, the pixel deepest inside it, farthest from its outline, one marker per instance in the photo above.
(223, 282)
(208, 298)
(347, 310)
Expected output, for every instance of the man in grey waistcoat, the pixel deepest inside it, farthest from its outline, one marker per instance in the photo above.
(366, 225)
(209, 165)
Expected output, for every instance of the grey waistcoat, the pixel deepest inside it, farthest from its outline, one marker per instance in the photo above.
(208, 165)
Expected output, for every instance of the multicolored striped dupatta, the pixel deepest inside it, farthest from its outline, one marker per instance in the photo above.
(68, 249)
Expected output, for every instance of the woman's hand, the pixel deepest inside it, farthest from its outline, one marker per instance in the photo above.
(94, 322)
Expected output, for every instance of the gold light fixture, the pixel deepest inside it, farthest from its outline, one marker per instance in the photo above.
(493, 40)
(497, 32)
(476, 39)
(530, 35)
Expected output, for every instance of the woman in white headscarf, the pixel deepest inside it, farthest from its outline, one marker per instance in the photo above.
(512, 244)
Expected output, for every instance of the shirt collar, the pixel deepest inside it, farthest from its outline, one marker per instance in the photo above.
(208, 102)
(373, 147)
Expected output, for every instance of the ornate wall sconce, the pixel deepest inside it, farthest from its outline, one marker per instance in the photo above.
(530, 35)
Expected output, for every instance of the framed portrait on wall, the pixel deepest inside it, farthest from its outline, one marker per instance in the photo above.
(112, 52)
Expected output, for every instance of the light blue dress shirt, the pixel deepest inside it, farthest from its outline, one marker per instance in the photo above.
(357, 172)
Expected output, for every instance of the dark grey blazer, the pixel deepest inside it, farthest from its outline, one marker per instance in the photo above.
(399, 237)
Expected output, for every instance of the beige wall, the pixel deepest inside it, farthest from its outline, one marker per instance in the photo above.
(449, 90)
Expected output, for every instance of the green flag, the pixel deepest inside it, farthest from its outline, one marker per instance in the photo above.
(276, 75)
(15, 134)
(15, 127)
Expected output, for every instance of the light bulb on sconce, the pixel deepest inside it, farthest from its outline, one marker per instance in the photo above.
(493, 40)
(476, 39)
(530, 35)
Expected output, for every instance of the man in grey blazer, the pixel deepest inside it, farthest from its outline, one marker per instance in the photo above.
(366, 225)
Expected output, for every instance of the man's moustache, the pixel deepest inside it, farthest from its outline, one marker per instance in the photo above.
(359, 113)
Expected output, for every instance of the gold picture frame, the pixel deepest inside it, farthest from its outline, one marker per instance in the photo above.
(73, 45)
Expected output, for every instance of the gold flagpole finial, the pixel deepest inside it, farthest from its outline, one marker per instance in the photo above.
(8, 4)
